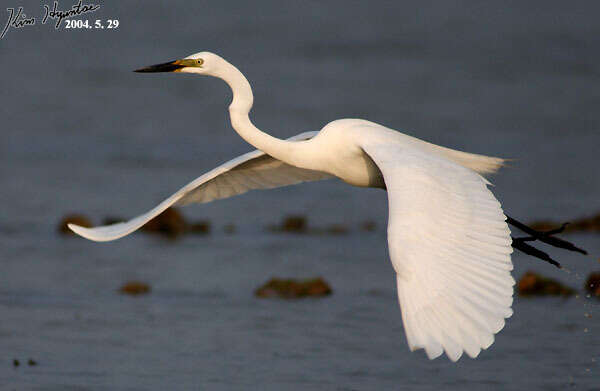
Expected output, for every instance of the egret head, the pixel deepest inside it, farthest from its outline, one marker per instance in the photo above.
(204, 63)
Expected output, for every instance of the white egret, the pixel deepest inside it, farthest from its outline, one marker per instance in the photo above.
(448, 238)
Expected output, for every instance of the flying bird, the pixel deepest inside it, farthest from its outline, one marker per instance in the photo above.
(448, 237)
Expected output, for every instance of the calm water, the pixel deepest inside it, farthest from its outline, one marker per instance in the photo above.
(82, 133)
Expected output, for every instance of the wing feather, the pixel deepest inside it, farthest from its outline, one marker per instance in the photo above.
(253, 170)
(450, 246)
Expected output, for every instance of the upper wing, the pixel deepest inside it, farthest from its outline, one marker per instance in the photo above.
(253, 170)
(450, 246)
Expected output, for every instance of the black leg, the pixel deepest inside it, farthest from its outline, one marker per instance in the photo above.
(546, 237)
(519, 244)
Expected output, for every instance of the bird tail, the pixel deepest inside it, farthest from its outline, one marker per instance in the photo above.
(479, 163)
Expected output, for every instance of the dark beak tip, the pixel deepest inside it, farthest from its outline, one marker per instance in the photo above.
(164, 67)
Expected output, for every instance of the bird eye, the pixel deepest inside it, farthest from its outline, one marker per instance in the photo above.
(200, 61)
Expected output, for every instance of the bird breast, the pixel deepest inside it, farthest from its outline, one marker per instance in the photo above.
(360, 170)
(345, 159)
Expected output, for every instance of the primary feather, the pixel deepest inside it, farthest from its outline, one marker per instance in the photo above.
(253, 170)
(450, 247)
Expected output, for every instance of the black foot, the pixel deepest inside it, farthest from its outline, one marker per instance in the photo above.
(519, 244)
(546, 237)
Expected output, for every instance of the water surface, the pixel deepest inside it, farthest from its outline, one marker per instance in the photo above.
(82, 133)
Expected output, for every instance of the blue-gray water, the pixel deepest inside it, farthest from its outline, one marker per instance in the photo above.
(81, 133)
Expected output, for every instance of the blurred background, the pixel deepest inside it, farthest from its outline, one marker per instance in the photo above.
(81, 133)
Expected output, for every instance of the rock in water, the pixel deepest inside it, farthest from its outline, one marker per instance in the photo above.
(170, 223)
(584, 224)
(200, 227)
(293, 289)
(337, 229)
(368, 226)
(592, 285)
(291, 224)
(532, 284)
(135, 288)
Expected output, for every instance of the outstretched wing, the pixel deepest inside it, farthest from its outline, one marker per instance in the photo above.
(253, 170)
(450, 246)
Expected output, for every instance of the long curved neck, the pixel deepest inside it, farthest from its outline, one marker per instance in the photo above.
(239, 108)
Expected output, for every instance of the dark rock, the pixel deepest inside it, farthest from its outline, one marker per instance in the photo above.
(200, 227)
(291, 224)
(16, 363)
(588, 224)
(337, 229)
(135, 288)
(293, 289)
(31, 362)
(585, 224)
(532, 284)
(170, 223)
(592, 285)
(299, 225)
(73, 218)
(368, 226)
(545, 225)
(295, 224)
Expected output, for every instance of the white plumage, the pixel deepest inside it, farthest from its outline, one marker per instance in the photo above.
(448, 239)
(253, 170)
(450, 248)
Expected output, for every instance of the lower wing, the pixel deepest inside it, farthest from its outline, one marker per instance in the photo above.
(450, 246)
(253, 170)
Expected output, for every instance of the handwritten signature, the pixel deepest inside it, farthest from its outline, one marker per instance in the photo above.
(19, 19)
(76, 9)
